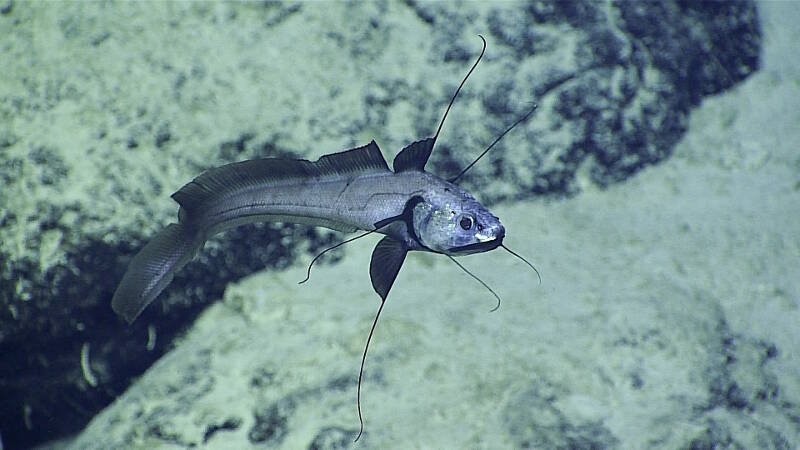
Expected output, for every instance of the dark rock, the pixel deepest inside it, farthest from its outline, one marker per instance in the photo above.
(231, 424)
(7, 7)
(624, 90)
(271, 423)
(544, 426)
(333, 438)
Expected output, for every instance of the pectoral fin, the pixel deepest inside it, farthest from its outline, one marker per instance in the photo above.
(387, 258)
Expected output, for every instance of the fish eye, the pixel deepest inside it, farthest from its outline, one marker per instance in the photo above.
(466, 222)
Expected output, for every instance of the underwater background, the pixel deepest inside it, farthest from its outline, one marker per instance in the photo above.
(656, 189)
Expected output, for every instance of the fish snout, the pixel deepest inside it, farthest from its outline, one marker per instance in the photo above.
(500, 232)
(493, 232)
(488, 238)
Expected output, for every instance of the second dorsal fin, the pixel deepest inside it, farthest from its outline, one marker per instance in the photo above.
(214, 184)
(414, 156)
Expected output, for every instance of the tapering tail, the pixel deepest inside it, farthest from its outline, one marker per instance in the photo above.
(152, 269)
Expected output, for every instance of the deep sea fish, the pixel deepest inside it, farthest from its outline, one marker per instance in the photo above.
(347, 191)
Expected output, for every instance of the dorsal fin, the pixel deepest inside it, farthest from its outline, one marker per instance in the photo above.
(414, 156)
(367, 158)
(217, 182)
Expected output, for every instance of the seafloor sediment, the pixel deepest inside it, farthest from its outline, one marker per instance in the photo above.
(667, 313)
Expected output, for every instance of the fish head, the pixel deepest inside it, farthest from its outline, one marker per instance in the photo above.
(451, 221)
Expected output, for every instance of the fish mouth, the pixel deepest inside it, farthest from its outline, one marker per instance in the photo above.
(478, 247)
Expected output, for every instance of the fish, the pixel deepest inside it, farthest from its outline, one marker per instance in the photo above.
(347, 191)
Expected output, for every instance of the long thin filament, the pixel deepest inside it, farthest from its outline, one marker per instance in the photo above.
(361, 371)
(523, 260)
(479, 281)
(453, 99)
(308, 271)
(520, 120)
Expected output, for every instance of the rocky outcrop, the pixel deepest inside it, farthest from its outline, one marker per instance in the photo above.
(107, 109)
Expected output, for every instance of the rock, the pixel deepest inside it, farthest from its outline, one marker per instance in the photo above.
(111, 109)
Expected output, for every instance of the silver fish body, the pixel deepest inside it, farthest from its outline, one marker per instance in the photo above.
(343, 203)
(358, 202)
(346, 191)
